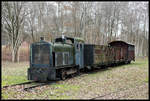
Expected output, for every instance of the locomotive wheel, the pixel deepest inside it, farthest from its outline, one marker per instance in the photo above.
(129, 62)
(78, 71)
(63, 74)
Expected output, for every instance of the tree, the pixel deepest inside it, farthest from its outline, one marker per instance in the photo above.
(13, 16)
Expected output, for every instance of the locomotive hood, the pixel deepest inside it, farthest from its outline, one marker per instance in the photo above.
(59, 47)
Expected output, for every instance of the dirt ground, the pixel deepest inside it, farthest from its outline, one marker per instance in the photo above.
(137, 92)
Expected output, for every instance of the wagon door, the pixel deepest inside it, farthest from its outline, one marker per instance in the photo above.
(118, 53)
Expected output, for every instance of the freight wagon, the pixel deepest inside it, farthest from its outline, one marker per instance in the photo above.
(124, 52)
(98, 55)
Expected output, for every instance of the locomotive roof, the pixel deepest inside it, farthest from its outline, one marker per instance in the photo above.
(72, 39)
(79, 39)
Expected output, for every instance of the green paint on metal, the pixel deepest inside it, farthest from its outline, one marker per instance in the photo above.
(58, 47)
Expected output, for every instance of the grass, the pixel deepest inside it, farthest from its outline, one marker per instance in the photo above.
(62, 91)
(128, 76)
(146, 80)
(13, 73)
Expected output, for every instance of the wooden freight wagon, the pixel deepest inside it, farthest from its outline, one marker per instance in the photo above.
(124, 52)
(98, 55)
(121, 49)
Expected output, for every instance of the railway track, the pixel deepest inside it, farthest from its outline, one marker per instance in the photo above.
(19, 84)
(30, 85)
(39, 84)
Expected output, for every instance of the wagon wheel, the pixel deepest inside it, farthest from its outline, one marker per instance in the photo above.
(63, 74)
(129, 62)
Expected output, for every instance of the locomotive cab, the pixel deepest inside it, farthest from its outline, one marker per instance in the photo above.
(78, 45)
(68, 55)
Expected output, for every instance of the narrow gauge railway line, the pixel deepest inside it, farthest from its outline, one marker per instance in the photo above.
(50, 82)
(30, 85)
(39, 85)
(19, 84)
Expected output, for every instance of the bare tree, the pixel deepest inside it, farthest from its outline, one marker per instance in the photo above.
(13, 15)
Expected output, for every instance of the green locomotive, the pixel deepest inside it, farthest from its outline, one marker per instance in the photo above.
(51, 61)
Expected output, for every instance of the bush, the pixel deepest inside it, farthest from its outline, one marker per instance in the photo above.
(23, 53)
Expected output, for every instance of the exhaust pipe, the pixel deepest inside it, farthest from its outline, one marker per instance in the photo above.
(41, 38)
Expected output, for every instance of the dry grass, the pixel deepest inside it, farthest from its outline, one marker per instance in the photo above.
(13, 73)
(130, 80)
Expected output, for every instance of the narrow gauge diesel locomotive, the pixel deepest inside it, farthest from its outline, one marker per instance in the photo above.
(65, 56)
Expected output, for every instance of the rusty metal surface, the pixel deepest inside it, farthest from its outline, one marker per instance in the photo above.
(124, 51)
(121, 50)
(98, 55)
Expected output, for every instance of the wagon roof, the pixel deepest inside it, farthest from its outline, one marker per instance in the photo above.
(119, 41)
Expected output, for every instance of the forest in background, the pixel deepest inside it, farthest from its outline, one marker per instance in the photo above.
(95, 22)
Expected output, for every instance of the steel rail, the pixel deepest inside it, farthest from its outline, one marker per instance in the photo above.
(38, 85)
(19, 84)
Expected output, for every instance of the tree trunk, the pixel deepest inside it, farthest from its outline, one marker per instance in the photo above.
(33, 40)
(14, 55)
